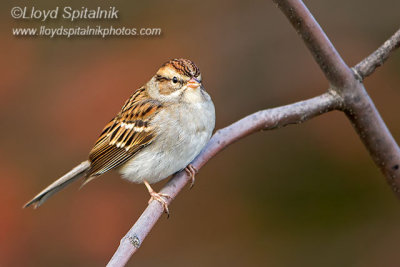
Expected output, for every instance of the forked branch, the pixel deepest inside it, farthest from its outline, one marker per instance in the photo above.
(357, 104)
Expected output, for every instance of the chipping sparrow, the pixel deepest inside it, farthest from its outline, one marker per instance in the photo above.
(161, 128)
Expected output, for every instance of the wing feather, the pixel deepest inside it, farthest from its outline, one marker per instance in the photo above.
(124, 135)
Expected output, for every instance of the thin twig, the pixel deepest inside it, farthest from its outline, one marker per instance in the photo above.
(262, 120)
(378, 57)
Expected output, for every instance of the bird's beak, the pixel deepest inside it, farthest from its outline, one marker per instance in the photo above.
(193, 83)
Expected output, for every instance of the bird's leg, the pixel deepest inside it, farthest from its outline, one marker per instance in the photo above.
(157, 196)
(191, 171)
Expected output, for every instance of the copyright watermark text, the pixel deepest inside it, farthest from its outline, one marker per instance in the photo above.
(67, 13)
(72, 16)
(96, 31)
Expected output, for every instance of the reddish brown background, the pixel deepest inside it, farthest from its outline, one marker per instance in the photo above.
(306, 195)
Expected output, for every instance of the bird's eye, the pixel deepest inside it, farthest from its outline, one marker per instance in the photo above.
(174, 80)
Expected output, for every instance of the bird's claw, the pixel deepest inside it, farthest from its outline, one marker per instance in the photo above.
(191, 171)
(160, 198)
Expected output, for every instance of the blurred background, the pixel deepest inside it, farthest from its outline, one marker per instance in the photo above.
(305, 195)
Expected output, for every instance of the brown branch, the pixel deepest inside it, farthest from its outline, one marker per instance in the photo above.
(377, 58)
(347, 93)
(358, 106)
(262, 120)
(374, 134)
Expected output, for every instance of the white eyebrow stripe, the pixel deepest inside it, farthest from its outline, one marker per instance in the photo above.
(169, 72)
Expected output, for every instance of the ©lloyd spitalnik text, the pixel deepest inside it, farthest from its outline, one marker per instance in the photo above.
(68, 13)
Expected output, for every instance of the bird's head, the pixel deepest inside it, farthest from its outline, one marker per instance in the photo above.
(177, 79)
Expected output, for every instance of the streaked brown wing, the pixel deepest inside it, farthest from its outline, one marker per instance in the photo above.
(125, 135)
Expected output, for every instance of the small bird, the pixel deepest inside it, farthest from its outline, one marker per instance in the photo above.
(161, 128)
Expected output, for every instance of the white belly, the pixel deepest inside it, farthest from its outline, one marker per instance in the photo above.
(180, 136)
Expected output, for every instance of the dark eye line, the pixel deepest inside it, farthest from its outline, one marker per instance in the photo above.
(174, 79)
(161, 78)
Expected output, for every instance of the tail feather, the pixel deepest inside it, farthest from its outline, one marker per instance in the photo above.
(59, 184)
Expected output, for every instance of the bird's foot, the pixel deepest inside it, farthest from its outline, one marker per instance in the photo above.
(158, 197)
(191, 171)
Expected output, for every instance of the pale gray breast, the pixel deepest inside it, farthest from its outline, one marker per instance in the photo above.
(181, 133)
(185, 124)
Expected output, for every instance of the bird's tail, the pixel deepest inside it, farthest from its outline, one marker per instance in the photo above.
(59, 184)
